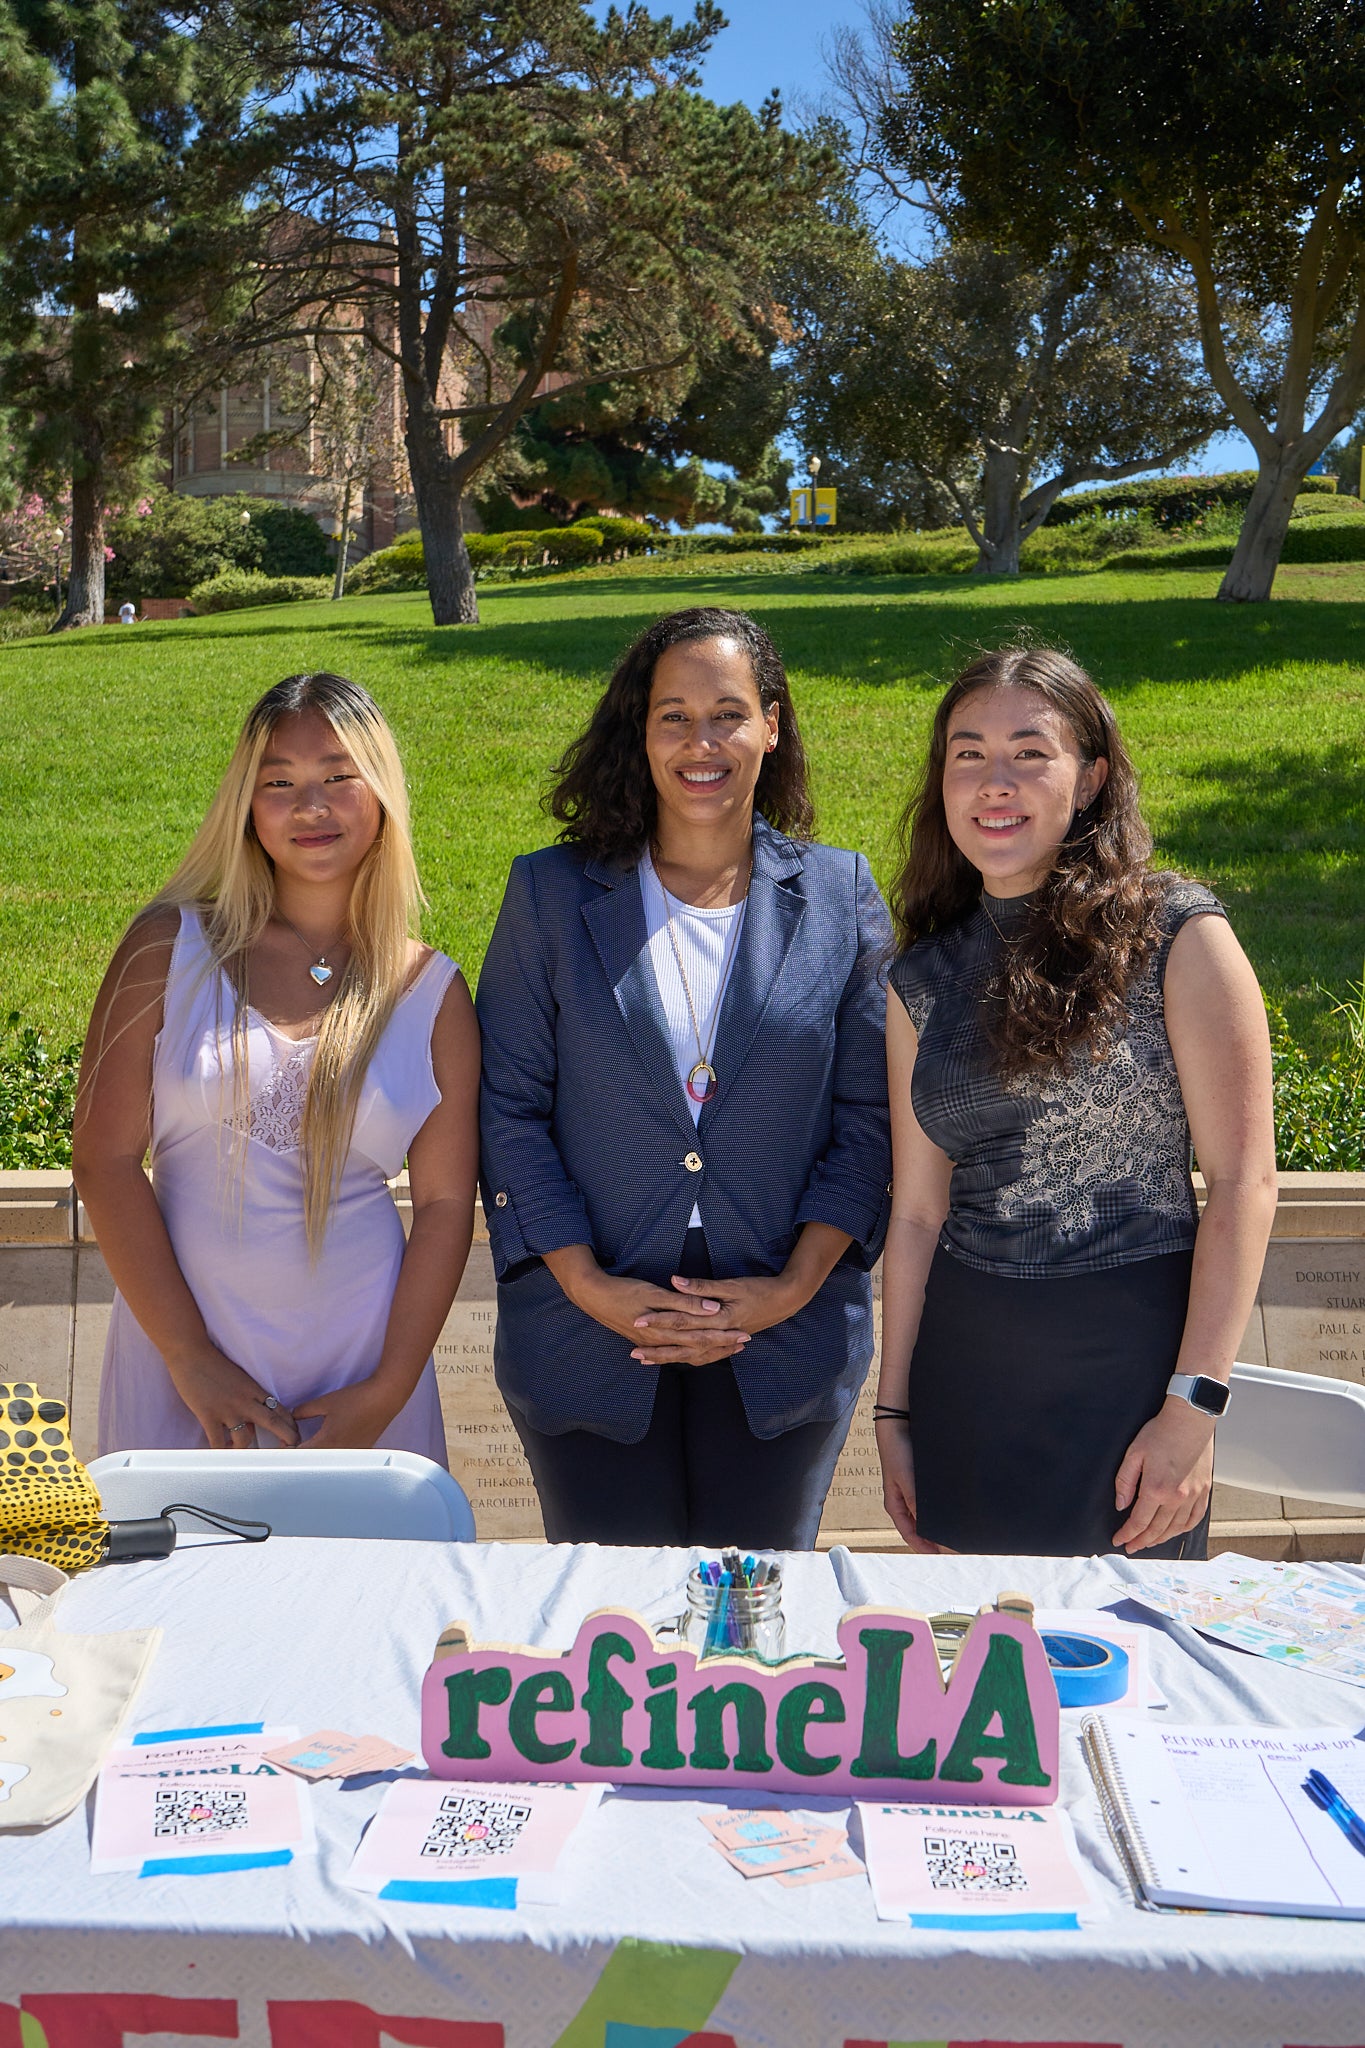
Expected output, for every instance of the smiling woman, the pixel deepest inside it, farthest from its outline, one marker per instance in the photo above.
(272, 1029)
(1058, 1320)
(685, 1143)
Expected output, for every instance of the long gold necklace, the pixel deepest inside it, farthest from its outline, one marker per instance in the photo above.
(702, 1083)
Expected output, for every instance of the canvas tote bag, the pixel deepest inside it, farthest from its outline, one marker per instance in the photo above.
(63, 1698)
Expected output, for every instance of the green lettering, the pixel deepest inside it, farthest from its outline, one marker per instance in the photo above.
(879, 1756)
(663, 1753)
(795, 1712)
(751, 1727)
(606, 1702)
(545, 1692)
(1001, 1688)
(466, 1692)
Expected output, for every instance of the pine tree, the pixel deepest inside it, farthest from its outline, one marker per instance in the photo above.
(124, 248)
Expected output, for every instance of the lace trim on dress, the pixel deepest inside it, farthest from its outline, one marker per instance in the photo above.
(274, 1115)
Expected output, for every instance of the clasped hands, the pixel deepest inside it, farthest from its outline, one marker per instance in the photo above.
(698, 1323)
(231, 1407)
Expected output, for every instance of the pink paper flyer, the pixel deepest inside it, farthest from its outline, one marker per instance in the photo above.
(431, 1837)
(937, 1866)
(202, 1802)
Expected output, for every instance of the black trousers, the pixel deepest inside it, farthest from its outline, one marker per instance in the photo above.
(698, 1476)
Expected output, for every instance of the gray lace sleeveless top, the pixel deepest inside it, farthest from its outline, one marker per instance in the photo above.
(1056, 1175)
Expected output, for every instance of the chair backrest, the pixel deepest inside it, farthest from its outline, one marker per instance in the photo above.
(299, 1492)
(1293, 1432)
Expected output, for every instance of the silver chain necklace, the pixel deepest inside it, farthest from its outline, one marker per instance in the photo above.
(701, 1082)
(319, 968)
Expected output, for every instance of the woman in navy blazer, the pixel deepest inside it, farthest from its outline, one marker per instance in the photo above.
(684, 1302)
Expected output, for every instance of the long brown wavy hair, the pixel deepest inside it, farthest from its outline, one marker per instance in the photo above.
(1062, 984)
(603, 793)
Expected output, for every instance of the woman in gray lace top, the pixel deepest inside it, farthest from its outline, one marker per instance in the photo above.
(1059, 1324)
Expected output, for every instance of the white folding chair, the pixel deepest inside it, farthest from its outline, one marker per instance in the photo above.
(1293, 1432)
(299, 1492)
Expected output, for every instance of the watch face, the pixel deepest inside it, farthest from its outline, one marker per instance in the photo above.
(1211, 1397)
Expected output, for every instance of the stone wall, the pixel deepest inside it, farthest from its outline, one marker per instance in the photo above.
(55, 1294)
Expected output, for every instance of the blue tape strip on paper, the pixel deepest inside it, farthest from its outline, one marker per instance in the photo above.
(197, 1734)
(991, 1923)
(1087, 1671)
(499, 1892)
(211, 1866)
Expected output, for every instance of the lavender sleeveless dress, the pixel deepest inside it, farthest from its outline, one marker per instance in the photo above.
(232, 1199)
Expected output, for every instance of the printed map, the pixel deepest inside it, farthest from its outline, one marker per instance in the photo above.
(1309, 1615)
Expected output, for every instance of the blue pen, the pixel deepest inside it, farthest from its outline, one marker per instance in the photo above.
(1326, 1797)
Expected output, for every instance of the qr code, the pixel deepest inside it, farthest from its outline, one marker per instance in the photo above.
(958, 1865)
(465, 1825)
(202, 1812)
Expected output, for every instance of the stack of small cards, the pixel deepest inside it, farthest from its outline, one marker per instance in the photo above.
(330, 1754)
(771, 1843)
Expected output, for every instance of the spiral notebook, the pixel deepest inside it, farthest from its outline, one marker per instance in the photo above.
(1217, 1818)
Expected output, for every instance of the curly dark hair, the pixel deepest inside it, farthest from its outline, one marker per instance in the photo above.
(1062, 986)
(603, 793)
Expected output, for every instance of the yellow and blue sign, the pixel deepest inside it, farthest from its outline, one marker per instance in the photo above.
(824, 511)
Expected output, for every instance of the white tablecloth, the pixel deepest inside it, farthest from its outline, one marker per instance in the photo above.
(655, 1943)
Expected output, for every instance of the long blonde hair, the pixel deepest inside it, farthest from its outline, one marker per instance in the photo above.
(228, 878)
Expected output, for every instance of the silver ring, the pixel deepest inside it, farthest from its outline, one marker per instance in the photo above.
(270, 1401)
(234, 1427)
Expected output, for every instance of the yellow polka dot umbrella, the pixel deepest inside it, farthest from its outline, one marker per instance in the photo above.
(49, 1505)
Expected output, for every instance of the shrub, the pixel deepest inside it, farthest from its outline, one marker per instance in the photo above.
(27, 614)
(400, 567)
(181, 541)
(779, 543)
(1319, 1107)
(235, 589)
(625, 536)
(569, 547)
(37, 1097)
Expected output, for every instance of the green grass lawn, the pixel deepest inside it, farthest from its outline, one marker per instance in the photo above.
(1247, 723)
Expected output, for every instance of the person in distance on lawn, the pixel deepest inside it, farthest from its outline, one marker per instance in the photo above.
(685, 1139)
(1059, 1323)
(272, 1030)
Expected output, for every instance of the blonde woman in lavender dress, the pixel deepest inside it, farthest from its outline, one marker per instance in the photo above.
(276, 1038)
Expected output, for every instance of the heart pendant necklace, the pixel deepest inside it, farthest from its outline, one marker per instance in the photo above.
(319, 969)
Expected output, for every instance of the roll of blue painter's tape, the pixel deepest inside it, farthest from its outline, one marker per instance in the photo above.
(1087, 1671)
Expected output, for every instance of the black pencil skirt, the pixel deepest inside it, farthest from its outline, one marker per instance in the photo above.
(1024, 1398)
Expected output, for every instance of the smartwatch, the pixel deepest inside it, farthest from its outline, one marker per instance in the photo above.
(1210, 1397)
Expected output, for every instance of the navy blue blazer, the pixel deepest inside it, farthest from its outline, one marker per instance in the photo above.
(586, 1128)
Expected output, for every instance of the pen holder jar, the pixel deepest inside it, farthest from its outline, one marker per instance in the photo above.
(734, 1621)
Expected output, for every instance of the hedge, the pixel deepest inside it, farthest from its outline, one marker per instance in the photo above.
(1172, 501)
(403, 566)
(236, 589)
(1319, 1107)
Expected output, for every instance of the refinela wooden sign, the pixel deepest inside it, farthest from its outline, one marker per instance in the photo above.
(882, 1723)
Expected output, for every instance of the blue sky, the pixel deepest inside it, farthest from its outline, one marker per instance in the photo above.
(778, 43)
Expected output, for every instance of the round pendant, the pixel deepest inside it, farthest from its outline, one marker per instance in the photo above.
(701, 1082)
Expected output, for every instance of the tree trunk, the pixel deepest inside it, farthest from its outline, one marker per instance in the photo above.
(85, 582)
(450, 578)
(343, 542)
(1000, 492)
(1251, 572)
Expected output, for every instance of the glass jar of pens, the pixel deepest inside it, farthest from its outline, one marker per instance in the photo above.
(734, 1608)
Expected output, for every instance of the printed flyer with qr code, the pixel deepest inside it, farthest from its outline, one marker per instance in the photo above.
(996, 1866)
(201, 1800)
(431, 1834)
